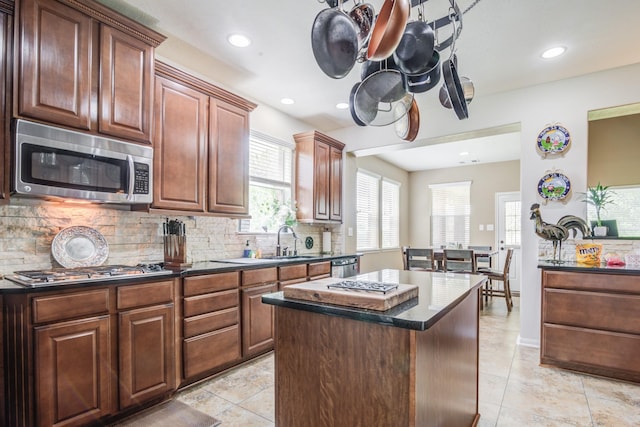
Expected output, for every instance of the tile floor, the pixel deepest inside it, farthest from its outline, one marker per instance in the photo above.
(514, 390)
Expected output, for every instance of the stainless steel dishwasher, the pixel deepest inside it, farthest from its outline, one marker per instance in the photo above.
(344, 267)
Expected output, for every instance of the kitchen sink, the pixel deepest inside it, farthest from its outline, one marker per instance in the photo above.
(289, 257)
(265, 259)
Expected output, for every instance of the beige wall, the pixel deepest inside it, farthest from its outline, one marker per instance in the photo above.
(614, 150)
(486, 180)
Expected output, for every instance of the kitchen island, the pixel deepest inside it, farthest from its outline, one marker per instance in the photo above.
(415, 364)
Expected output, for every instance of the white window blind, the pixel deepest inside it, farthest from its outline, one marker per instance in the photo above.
(450, 213)
(270, 175)
(390, 214)
(367, 210)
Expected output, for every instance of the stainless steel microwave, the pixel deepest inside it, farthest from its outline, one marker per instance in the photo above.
(52, 162)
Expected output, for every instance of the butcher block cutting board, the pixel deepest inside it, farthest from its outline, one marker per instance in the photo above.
(319, 291)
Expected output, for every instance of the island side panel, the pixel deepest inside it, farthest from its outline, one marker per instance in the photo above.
(333, 371)
(447, 368)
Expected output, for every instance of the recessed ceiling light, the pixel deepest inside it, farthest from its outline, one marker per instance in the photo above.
(464, 153)
(553, 52)
(287, 101)
(342, 105)
(238, 40)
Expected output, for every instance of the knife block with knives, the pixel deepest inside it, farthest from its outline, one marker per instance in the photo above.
(175, 244)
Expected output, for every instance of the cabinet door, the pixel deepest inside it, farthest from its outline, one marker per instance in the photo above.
(5, 102)
(322, 178)
(126, 94)
(73, 368)
(335, 185)
(206, 352)
(257, 320)
(180, 150)
(56, 67)
(147, 357)
(228, 158)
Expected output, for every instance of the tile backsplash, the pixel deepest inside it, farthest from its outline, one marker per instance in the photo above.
(29, 227)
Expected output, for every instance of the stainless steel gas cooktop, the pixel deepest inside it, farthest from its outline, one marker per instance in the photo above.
(65, 276)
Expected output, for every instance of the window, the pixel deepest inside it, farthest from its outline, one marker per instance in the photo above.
(270, 170)
(450, 213)
(625, 209)
(378, 212)
(512, 223)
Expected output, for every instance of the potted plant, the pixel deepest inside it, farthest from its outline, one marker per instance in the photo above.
(599, 197)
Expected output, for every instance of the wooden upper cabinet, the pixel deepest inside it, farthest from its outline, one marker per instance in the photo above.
(201, 146)
(6, 30)
(318, 177)
(228, 158)
(89, 68)
(180, 147)
(126, 96)
(55, 63)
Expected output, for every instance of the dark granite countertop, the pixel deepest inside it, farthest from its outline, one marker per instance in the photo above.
(198, 268)
(585, 268)
(438, 294)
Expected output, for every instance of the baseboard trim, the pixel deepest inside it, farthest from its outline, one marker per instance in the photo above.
(528, 342)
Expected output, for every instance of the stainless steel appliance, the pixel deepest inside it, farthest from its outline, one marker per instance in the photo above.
(64, 276)
(52, 162)
(344, 267)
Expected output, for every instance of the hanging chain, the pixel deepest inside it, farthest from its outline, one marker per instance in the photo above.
(471, 6)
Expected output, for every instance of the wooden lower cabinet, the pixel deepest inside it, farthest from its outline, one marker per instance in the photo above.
(257, 320)
(146, 346)
(591, 323)
(73, 372)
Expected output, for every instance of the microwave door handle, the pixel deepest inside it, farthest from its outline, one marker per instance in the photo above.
(132, 177)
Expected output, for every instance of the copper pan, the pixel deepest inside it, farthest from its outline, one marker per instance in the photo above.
(388, 29)
(407, 127)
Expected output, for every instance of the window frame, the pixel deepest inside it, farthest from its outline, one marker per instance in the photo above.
(377, 221)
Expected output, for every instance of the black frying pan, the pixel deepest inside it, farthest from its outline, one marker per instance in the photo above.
(334, 40)
(454, 89)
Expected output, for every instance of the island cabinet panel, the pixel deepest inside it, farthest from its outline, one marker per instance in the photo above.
(591, 322)
(73, 372)
(346, 372)
(211, 326)
(6, 40)
(56, 63)
(318, 178)
(228, 158)
(126, 73)
(180, 150)
(85, 66)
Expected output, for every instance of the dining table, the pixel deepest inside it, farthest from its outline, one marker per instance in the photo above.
(438, 254)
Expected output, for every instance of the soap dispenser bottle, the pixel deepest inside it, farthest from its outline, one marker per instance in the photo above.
(247, 251)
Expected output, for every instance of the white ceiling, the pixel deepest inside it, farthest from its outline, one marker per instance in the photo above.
(499, 49)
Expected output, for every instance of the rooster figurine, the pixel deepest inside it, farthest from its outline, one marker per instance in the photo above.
(559, 232)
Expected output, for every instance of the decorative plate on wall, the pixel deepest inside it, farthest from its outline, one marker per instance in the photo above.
(79, 247)
(554, 186)
(553, 139)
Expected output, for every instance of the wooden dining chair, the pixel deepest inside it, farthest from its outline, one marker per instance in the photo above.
(459, 260)
(419, 259)
(500, 276)
(482, 261)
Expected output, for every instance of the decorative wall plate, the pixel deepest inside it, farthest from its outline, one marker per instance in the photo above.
(554, 186)
(79, 247)
(553, 139)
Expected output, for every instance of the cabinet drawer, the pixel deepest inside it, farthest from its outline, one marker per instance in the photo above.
(319, 268)
(596, 310)
(597, 351)
(207, 352)
(68, 306)
(207, 303)
(291, 272)
(210, 283)
(591, 281)
(145, 294)
(209, 322)
(261, 275)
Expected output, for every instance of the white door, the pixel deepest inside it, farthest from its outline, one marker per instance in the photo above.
(508, 234)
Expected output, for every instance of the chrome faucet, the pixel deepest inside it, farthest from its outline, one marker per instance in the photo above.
(285, 227)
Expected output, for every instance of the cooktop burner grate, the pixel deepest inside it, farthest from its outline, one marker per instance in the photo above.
(364, 285)
(83, 274)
